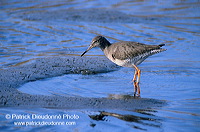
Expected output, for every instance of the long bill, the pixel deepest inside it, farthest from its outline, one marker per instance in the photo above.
(87, 50)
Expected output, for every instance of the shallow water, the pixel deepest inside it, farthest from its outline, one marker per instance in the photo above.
(172, 76)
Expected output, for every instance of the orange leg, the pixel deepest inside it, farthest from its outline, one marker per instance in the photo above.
(134, 82)
(135, 76)
(136, 79)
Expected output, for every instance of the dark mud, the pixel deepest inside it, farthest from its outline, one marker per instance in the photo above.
(14, 77)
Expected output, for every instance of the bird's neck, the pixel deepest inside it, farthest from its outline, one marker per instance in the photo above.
(105, 44)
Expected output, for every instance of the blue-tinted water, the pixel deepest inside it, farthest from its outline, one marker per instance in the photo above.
(172, 76)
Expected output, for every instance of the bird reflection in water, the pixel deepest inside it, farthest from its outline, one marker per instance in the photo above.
(153, 121)
(139, 118)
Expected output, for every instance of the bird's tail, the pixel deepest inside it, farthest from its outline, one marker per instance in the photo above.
(161, 45)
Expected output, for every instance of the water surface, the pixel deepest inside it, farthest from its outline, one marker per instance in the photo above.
(38, 29)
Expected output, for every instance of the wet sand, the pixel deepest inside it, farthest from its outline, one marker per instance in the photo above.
(12, 78)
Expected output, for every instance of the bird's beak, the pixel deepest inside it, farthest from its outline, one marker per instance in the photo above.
(87, 50)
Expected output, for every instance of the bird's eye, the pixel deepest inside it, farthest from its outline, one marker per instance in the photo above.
(96, 41)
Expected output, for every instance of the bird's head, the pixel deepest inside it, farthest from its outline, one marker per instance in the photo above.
(98, 41)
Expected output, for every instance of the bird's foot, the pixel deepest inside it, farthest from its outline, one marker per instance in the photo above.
(136, 95)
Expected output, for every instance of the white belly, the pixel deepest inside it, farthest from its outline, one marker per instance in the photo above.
(128, 62)
(124, 63)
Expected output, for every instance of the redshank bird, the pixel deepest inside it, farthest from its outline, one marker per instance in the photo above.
(126, 54)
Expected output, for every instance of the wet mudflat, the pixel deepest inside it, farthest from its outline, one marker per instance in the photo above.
(42, 73)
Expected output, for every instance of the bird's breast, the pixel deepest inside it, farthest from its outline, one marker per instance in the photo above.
(124, 63)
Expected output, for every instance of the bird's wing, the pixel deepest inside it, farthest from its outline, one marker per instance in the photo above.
(125, 49)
